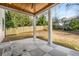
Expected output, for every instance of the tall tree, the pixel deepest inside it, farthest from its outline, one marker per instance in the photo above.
(8, 21)
(74, 24)
(14, 19)
(42, 20)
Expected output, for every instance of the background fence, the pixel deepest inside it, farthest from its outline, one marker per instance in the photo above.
(18, 30)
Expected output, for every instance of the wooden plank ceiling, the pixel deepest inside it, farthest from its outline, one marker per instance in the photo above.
(32, 8)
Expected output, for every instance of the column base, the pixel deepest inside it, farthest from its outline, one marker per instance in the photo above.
(50, 44)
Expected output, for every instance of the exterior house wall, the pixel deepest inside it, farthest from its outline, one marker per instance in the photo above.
(2, 17)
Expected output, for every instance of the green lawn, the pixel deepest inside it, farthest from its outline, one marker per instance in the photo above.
(59, 37)
(62, 38)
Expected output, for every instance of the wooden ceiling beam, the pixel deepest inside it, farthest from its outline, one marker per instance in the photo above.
(29, 7)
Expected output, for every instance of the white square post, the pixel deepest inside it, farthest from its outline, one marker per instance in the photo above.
(34, 27)
(49, 27)
(2, 26)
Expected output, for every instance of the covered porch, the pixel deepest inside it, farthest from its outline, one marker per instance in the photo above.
(33, 46)
(33, 10)
(37, 47)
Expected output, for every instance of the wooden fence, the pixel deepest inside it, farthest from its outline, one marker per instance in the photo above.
(18, 30)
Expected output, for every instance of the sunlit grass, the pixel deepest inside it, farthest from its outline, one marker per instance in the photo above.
(67, 42)
(18, 36)
(59, 37)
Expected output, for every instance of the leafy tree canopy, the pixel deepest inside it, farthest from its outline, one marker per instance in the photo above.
(42, 20)
(14, 19)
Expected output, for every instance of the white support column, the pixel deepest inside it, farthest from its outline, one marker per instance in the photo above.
(34, 27)
(2, 18)
(49, 27)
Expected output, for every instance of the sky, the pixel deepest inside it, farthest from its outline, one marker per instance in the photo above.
(61, 11)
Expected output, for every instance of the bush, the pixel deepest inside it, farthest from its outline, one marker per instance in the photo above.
(42, 21)
(14, 19)
(74, 24)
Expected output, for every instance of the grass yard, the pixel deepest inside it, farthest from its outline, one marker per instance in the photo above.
(18, 36)
(62, 38)
(59, 37)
